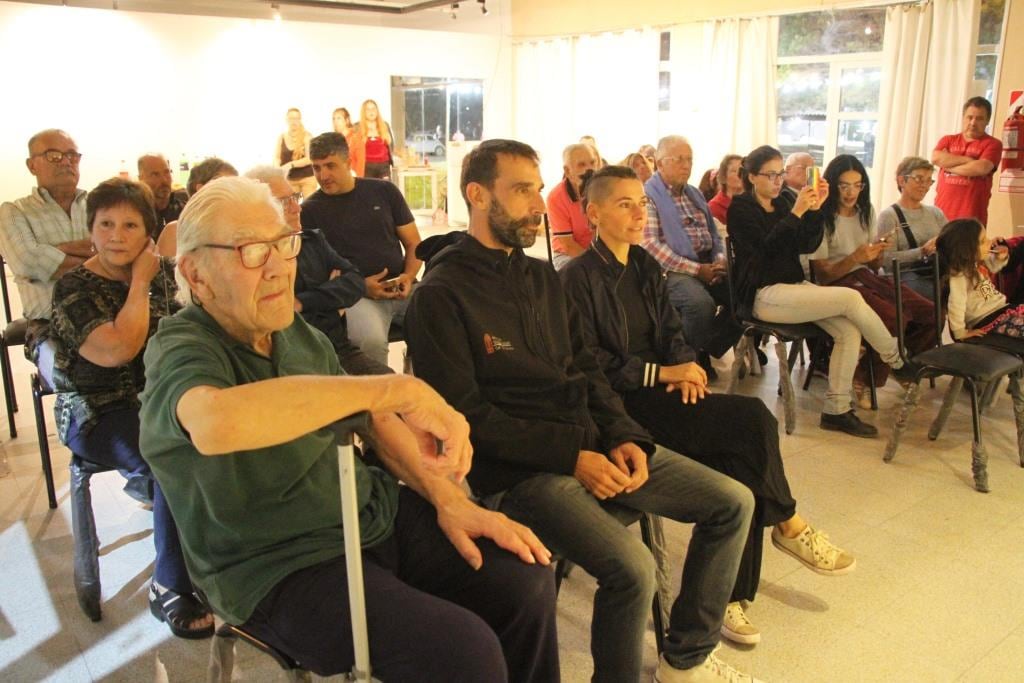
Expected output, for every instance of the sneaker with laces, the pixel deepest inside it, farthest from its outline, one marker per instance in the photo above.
(813, 549)
(737, 627)
(711, 670)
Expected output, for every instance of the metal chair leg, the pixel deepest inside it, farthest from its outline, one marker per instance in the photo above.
(979, 458)
(222, 658)
(872, 388)
(988, 396)
(952, 393)
(44, 443)
(786, 384)
(1018, 413)
(739, 359)
(909, 403)
(9, 393)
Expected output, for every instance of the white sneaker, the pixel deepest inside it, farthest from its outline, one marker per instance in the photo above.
(813, 549)
(737, 627)
(712, 670)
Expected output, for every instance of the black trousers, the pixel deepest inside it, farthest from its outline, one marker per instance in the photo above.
(735, 435)
(430, 616)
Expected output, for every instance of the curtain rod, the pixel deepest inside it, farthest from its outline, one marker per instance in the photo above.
(853, 4)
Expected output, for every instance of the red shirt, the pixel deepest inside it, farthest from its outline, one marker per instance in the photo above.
(377, 151)
(967, 196)
(719, 206)
(567, 217)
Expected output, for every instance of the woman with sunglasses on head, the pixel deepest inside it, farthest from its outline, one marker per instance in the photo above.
(768, 235)
(850, 255)
(636, 335)
(104, 312)
(911, 226)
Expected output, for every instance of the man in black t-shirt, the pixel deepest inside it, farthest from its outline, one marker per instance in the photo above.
(367, 222)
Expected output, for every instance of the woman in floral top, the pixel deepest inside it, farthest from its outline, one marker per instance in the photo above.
(104, 311)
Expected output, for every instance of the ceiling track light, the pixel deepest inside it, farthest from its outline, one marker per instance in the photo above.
(454, 9)
(276, 9)
(483, 7)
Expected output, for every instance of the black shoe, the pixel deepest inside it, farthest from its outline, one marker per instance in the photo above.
(848, 422)
(704, 360)
(907, 372)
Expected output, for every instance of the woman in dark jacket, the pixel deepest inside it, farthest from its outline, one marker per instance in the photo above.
(636, 335)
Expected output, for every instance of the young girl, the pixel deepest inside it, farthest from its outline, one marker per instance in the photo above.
(975, 306)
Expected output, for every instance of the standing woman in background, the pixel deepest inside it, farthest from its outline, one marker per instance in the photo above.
(374, 141)
(292, 154)
(343, 124)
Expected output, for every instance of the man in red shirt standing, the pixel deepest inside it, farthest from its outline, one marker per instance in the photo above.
(570, 229)
(966, 163)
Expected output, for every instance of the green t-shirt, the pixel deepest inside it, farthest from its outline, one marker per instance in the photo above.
(249, 519)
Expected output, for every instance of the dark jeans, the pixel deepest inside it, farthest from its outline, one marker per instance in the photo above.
(574, 524)
(114, 442)
(735, 435)
(880, 296)
(430, 616)
(707, 323)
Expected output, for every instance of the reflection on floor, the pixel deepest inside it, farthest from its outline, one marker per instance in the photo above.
(936, 596)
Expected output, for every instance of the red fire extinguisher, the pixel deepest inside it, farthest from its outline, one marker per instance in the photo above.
(1013, 138)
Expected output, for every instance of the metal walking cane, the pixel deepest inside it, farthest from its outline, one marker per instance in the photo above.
(345, 430)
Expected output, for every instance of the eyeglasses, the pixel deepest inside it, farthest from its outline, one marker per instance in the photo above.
(772, 176)
(295, 198)
(55, 156)
(846, 187)
(256, 254)
(678, 160)
(920, 180)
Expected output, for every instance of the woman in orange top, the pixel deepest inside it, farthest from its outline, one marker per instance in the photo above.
(374, 141)
(343, 125)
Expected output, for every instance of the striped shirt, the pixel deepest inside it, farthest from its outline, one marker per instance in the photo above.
(696, 227)
(29, 229)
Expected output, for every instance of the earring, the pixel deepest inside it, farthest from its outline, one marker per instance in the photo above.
(92, 248)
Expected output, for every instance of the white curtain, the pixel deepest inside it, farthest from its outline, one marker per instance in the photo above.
(739, 85)
(601, 85)
(927, 71)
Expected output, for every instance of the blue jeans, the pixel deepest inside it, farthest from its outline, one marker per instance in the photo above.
(368, 324)
(703, 327)
(114, 442)
(574, 524)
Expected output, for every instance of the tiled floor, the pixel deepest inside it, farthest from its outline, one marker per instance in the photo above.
(937, 594)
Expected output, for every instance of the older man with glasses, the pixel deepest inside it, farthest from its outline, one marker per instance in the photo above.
(44, 235)
(239, 392)
(682, 237)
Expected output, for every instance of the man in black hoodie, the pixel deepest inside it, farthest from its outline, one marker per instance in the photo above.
(490, 329)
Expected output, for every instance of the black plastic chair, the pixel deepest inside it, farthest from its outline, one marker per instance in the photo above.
(627, 516)
(40, 389)
(970, 364)
(13, 334)
(783, 333)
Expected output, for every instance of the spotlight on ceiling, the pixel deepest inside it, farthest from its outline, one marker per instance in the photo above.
(483, 7)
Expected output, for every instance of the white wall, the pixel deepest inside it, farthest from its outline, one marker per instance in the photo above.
(124, 83)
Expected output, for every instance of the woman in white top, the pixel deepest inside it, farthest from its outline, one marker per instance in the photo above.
(910, 226)
(851, 254)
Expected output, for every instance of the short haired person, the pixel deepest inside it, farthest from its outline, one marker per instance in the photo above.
(634, 332)
(491, 330)
(768, 236)
(570, 232)
(367, 221)
(911, 226)
(794, 177)
(239, 391)
(325, 283)
(155, 172)
(682, 237)
(104, 311)
(206, 170)
(967, 161)
(44, 235)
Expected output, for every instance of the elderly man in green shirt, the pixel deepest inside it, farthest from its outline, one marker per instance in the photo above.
(239, 391)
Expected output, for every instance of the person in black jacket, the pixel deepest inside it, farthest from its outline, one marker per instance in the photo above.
(325, 283)
(634, 331)
(768, 235)
(491, 330)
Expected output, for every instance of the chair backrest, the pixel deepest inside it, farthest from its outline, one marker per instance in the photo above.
(3, 290)
(897, 281)
(547, 239)
(729, 258)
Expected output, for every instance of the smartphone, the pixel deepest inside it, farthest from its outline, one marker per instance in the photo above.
(392, 284)
(813, 176)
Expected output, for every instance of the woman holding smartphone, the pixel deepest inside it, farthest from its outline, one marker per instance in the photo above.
(851, 254)
(769, 235)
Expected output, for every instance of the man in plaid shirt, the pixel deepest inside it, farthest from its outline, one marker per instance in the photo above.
(44, 235)
(681, 235)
